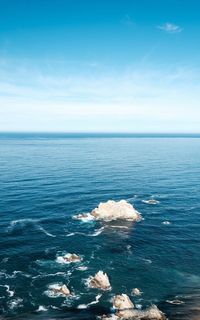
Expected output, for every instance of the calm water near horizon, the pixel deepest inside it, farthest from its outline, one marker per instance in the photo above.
(45, 179)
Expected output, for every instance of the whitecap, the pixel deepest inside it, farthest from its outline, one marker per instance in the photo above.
(10, 292)
(70, 234)
(21, 222)
(82, 306)
(151, 201)
(85, 217)
(61, 260)
(41, 308)
(166, 222)
(85, 306)
(97, 298)
(97, 232)
(147, 261)
(15, 303)
(175, 301)
(82, 268)
(24, 222)
(119, 227)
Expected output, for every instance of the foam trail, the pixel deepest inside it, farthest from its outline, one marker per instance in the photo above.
(10, 292)
(15, 303)
(24, 222)
(85, 306)
(96, 233)
(46, 232)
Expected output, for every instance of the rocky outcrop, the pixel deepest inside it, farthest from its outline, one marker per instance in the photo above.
(114, 210)
(100, 281)
(72, 257)
(69, 258)
(126, 310)
(59, 290)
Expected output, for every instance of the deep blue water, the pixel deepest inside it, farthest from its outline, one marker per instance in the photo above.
(46, 179)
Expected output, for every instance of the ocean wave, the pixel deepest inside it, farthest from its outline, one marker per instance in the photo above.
(41, 308)
(151, 201)
(13, 275)
(166, 222)
(46, 232)
(10, 292)
(94, 234)
(22, 223)
(15, 303)
(82, 268)
(85, 306)
(85, 217)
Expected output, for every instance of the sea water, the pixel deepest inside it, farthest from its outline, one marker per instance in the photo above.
(47, 179)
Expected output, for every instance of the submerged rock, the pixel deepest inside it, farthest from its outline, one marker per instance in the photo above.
(136, 292)
(59, 290)
(113, 210)
(69, 258)
(72, 257)
(100, 281)
(126, 310)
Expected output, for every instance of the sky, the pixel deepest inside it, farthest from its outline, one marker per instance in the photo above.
(100, 66)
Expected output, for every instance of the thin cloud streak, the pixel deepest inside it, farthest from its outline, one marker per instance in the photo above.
(170, 28)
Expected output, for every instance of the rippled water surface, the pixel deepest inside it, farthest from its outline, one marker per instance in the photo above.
(45, 180)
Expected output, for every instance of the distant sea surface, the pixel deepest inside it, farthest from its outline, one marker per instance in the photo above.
(46, 179)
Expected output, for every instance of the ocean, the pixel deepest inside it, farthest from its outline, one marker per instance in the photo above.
(46, 179)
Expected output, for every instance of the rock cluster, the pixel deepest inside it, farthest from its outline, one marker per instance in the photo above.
(126, 310)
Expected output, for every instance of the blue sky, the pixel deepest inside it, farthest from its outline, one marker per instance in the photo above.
(130, 66)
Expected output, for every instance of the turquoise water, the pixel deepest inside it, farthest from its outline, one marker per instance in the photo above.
(46, 179)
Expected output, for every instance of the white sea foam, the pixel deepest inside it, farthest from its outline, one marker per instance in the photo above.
(82, 306)
(166, 222)
(41, 308)
(85, 306)
(119, 227)
(15, 303)
(61, 260)
(94, 234)
(82, 268)
(10, 292)
(151, 201)
(176, 301)
(85, 217)
(70, 234)
(149, 261)
(46, 232)
(21, 223)
(24, 222)
(97, 232)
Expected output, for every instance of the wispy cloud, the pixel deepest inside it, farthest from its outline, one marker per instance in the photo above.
(170, 28)
(137, 98)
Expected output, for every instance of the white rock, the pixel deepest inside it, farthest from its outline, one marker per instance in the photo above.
(126, 310)
(113, 210)
(100, 281)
